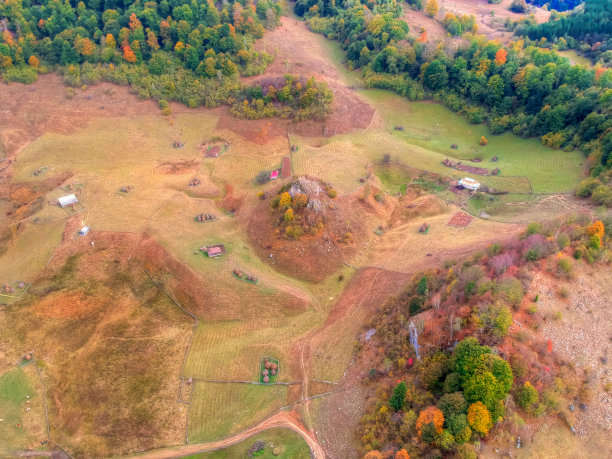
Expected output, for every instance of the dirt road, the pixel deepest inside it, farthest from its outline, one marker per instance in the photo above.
(279, 420)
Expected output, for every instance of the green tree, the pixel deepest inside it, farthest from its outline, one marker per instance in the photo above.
(399, 395)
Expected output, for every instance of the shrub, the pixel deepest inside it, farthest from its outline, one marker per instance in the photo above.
(288, 217)
(262, 177)
(495, 319)
(563, 241)
(479, 418)
(564, 266)
(578, 254)
(533, 228)
(300, 201)
(483, 140)
(167, 111)
(527, 396)
(332, 193)
(586, 187)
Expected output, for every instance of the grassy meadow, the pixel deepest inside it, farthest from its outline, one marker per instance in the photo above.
(280, 443)
(221, 410)
(23, 424)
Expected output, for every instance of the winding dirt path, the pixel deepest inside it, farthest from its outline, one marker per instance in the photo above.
(282, 420)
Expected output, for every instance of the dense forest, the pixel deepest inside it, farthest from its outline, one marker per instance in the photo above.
(557, 5)
(188, 51)
(588, 29)
(471, 373)
(528, 90)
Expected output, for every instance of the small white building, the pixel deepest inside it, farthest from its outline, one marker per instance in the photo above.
(69, 200)
(83, 231)
(469, 183)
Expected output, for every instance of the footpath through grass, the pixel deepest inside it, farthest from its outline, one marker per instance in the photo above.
(279, 443)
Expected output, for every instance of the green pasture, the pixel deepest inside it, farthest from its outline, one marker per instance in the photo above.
(435, 128)
(220, 410)
(575, 58)
(15, 385)
(280, 443)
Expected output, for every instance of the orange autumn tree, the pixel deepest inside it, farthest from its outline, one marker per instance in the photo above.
(479, 418)
(134, 22)
(128, 54)
(423, 37)
(430, 414)
(596, 229)
(33, 62)
(402, 454)
(501, 56)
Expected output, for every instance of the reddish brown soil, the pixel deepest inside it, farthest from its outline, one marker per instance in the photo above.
(413, 205)
(472, 169)
(286, 167)
(213, 151)
(199, 295)
(311, 257)
(460, 219)
(295, 53)
(279, 420)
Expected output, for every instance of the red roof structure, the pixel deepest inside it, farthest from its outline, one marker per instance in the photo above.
(213, 250)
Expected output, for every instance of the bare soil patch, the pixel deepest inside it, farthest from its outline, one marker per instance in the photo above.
(414, 204)
(312, 257)
(490, 25)
(460, 219)
(177, 167)
(295, 53)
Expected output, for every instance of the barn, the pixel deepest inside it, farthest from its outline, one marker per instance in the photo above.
(69, 200)
(469, 184)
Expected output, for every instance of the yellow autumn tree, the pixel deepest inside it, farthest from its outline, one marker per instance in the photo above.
(285, 200)
(432, 8)
(479, 418)
(33, 62)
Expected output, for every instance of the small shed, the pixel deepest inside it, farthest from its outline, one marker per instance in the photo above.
(274, 175)
(469, 183)
(213, 250)
(84, 231)
(68, 200)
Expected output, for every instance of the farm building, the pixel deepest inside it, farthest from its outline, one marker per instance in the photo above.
(69, 200)
(469, 184)
(274, 175)
(213, 250)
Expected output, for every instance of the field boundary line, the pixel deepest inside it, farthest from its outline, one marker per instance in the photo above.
(257, 383)
(44, 399)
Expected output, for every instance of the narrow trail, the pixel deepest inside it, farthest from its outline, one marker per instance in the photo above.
(281, 420)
